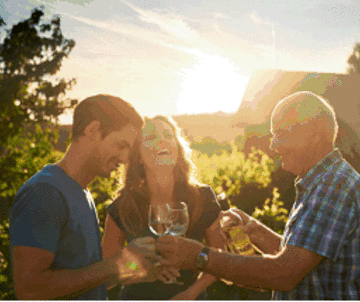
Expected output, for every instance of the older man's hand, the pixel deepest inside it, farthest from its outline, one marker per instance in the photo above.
(178, 251)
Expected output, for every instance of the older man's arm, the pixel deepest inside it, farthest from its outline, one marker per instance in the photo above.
(263, 238)
(279, 272)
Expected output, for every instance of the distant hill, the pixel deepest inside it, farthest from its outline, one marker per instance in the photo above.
(216, 125)
(195, 128)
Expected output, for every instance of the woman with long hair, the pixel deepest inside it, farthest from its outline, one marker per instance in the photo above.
(160, 172)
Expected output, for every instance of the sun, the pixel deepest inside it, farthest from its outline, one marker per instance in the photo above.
(212, 85)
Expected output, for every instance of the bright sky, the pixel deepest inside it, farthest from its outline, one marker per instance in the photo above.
(190, 56)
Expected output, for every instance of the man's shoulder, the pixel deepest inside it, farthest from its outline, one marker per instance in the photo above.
(44, 184)
(45, 175)
(347, 173)
(49, 177)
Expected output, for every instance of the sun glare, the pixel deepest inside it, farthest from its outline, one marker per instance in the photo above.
(212, 85)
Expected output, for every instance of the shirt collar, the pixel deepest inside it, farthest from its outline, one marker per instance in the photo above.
(316, 172)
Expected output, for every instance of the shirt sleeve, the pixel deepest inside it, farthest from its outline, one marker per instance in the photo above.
(37, 217)
(211, 209)
(323, 227)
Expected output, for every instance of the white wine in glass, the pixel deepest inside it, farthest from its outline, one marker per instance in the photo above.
(159, 222)
(179, 219)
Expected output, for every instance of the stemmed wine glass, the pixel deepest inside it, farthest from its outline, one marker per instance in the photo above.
(159, 222)
(179, 223)
(179, 219)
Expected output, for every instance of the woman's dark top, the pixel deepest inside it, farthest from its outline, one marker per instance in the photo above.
(158, 290)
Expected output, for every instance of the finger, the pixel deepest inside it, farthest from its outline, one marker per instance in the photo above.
(164, 247)
(166, 239)
(162, 278)
(249, 226)
(156, 260)
(146, 239)
(146, 242)
(167, 274)
(223, 236)
(166, 262)
(174, 271)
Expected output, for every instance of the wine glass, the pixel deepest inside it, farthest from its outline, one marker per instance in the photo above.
(179, 223)
(179, 219)
(159, 222)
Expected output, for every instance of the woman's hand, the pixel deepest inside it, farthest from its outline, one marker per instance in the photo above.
(168, 274)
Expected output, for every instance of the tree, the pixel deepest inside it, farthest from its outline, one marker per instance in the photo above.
(31, 53)
(354, 60)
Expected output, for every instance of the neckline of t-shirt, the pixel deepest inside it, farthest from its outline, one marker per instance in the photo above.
(67, 177)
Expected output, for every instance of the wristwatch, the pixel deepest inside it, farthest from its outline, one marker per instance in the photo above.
(202, 258)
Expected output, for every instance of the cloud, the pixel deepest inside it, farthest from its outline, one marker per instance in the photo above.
(272, 52)
(168, 23)
(125, 29)
(220, 16)
(171, 31)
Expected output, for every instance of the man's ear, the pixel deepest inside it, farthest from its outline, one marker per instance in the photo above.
(93, 131)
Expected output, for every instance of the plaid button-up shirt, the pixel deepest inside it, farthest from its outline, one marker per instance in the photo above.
(325, 219)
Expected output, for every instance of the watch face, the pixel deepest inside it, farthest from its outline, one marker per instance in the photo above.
(202, 259)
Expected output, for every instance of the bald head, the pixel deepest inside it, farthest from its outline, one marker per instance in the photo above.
(303, 108)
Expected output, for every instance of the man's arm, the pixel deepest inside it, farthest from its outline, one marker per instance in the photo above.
(279, 272)
(34, 280)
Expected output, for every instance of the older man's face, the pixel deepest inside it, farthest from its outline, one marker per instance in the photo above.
(292, 141)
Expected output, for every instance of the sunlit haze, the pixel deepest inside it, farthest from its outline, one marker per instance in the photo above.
(189, 57)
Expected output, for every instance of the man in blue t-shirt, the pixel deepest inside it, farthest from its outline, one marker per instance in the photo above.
(55, 240)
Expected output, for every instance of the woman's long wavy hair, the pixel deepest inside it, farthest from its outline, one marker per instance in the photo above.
(134, 197)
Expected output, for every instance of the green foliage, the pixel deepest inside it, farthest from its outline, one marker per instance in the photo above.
(272, 214)
(354, 60)
(30, 53)
(239, 143)
(24, 154)
(6, 291)
(229, 172)
(210, 146)
(104, 190)
(258, 130)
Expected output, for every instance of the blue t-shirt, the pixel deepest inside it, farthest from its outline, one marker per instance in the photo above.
(51, 211)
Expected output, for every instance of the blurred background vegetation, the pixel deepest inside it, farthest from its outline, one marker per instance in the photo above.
(31, 54)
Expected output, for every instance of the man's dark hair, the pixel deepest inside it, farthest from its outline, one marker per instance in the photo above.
(112, 112)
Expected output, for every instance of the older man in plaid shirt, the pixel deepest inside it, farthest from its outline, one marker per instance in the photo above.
(318, 256)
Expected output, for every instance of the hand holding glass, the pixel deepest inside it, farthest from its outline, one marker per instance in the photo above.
(179, 223)
(159, 224)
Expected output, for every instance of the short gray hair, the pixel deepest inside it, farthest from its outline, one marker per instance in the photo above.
(309, 106)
